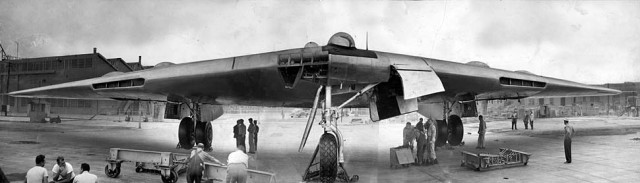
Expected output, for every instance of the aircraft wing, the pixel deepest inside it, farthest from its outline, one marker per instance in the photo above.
(290, 78)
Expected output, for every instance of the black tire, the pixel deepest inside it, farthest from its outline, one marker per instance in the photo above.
(442, 132)
(204, 134)
(112, 173)
(186, 133)
(456, 130)
(328, 151)
(199, 132)
(172, 178)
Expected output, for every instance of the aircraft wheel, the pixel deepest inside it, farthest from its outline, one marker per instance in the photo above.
(204, 134)
(172, 178)
(442, 133)
(328, 150)
(112, 173)
(186, 133)
(456, 130)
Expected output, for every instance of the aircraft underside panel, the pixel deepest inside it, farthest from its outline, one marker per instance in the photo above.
(387, 102)
(418, 81)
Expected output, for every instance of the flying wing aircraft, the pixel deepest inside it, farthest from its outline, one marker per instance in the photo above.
(320, 76)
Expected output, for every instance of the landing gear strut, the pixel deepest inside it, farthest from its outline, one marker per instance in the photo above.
(327, 161)
(191, 132)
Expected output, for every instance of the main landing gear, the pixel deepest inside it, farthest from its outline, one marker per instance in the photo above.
(192, 132)
(327, 161)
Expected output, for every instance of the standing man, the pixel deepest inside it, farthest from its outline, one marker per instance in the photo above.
(236, 133)
(242, 133)
(255, 136)
(62, 171)
(514, 119)
(431, 140)
(237, 164)
(568, 134)
(421, 141)
(252, 140)
(407, 135)
(239, 132)
(482, 129)
(531, 117)
(37, 174)
(85, 176)
(196, 163)
(526, 120)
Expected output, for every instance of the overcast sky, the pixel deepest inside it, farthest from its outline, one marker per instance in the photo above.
(591, 42)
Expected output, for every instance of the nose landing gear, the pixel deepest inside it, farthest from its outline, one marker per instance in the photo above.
(327, 161)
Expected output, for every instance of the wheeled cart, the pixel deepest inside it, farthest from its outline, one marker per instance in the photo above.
(505, 158)
(169, 164)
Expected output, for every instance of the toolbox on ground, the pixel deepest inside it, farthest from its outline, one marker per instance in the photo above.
(400, 156)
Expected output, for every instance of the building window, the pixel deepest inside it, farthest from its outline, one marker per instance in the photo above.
(563, 101)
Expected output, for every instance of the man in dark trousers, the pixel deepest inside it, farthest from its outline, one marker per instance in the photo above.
(239, 132)
(252, 130)
(526, 120)
(196, 163)
(421, 142)
(514, 120)
(482, 129)
(235, 132)
(255, 136)
(568, 134)
(242, 133)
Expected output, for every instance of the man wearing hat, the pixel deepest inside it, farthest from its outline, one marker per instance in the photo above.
(239, 132)
(196, 163)
(568, 134)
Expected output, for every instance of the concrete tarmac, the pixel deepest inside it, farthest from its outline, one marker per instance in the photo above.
(605, 149)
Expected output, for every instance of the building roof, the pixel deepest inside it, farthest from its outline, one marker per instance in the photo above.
(136, 66)
(114, 61)
(64, 56)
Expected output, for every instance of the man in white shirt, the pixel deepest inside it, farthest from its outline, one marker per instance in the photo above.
(85, 176)
(37, 174)
(237, 165)
(62, 171)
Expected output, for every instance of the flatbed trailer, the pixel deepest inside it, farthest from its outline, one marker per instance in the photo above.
(171, 165)
(505, 158)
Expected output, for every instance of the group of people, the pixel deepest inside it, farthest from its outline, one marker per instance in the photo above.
(62, 172)
(237, 164)
(423, 138)
(527, 120)
(240, 134)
